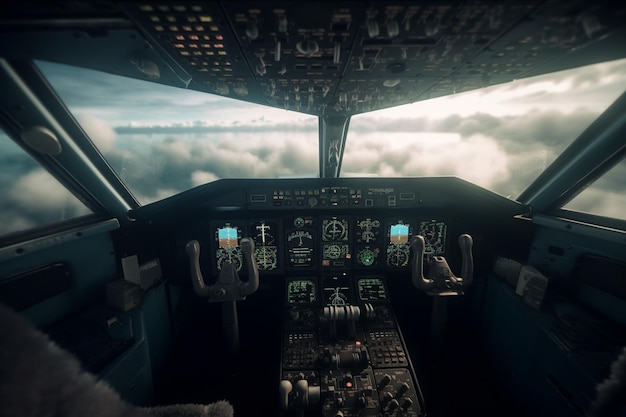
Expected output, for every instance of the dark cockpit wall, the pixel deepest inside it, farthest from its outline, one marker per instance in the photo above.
(360, 67)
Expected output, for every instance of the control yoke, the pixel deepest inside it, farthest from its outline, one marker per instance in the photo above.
(228, 286)
(228, 289)
(442, 280)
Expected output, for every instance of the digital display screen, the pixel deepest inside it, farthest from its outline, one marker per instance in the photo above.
(301, 292)
(367, 230)
(398, 234)
(227, 239)
(335, 230)
(434, 234)
(301, 243)
(265, 247)
(337, 291)
(371, 289)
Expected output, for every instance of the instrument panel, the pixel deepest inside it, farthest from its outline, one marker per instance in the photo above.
(327, 242)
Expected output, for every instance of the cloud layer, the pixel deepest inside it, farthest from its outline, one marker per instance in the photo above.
(162, 140)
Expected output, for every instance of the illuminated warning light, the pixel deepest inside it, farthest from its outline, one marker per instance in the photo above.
(358, 343)
(348, 384)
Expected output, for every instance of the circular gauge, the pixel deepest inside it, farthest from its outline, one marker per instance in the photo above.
(368, 236)
(265, 257)
(367, 230)
(332, 252)
(334, 230)
(367, 257)
(298, 222)
(398, 255)
(232, 255)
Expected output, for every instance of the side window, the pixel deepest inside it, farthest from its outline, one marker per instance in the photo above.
(605, 197)
(29, 195)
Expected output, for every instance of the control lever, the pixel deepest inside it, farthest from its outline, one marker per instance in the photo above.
(443, 281)
(228, 288)
(302, 395)
(285, 389)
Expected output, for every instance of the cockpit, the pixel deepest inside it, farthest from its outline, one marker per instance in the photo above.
(316, 208)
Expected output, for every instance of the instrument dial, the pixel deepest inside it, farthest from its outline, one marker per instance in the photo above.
(266, 257)
(334, 230)
(367, 256)
(368, 230)
(333, 251)
(300, 245)
(263, 233)
(434, 234)
(398, 255)
(232, 255)
(265, 250)
(336, 296)
(227, 238)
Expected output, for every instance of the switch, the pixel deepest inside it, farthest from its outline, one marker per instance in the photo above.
(384, 381)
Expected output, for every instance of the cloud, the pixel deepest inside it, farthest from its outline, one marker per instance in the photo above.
(202, 177)
(40, 192)
(477, 158)
(34, 198)
(503, 154)
(99, 131)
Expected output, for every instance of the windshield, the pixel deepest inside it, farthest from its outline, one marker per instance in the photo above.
(163, 140)
(500, 138)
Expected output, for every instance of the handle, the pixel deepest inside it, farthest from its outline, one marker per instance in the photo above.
(228, 286)
(442, 279)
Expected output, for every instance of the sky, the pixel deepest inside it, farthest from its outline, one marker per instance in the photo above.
(162, 140)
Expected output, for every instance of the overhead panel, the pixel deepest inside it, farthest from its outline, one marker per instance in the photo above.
(318, 57)
(298, 54)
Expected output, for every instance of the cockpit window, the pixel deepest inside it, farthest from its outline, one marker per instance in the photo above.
(163, 140)
(501, 137)
(605, 197)
(31, 197)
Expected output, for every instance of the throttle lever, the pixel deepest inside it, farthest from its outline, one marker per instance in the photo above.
(442, 280)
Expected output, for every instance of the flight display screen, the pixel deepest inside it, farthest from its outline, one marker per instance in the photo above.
(371, 289)
(302, 291)
(301, 243)
(265, 245)
(399, 235)
(228, 237)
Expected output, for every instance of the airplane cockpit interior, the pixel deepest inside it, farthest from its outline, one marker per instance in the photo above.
(302, 209)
